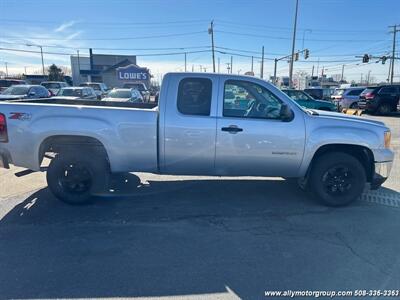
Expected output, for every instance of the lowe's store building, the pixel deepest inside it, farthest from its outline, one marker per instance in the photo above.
(113, 70)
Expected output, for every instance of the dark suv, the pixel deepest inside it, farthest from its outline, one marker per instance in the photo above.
(381, 99)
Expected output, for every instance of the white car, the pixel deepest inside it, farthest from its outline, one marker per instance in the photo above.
(54, 86)
(76, 93)
(124, 95)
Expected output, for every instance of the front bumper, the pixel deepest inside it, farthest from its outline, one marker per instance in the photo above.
(382, 171)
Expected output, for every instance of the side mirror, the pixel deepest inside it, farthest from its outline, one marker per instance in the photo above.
(32, 93)
(286, 114)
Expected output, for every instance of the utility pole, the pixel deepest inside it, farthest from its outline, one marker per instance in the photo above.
(369, 73)
(192, 68)
(293, 44)
(341, 78)
(219, 62)
(6, 69)
(211, 32)
(262, 63)
(395, 30)
(390, 69)
(312, 71)
(252, 62)
(275, 65)
(25, 70)
(41, 52)
(361, 78)
(79, 67)
(231, 64)
(201, 68)
(318, 67)
(185, 62)
(322, 73)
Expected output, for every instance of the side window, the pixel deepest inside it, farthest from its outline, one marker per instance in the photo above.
(194, 96)
(354, 92)
(388, 90)
(43, 92)
(85, 93)
(249, 100)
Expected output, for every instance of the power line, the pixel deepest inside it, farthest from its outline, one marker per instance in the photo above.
(288, 38)
(70, 54)
(112, 39)
(118, 49)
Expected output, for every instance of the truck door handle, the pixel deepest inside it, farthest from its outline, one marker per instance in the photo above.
(232, 129)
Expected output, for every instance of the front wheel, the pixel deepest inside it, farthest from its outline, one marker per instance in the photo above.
(337, 179)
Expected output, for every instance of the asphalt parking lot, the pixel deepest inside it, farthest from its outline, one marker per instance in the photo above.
(173, 237)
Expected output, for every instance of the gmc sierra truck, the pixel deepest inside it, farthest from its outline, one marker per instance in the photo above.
(204, 124)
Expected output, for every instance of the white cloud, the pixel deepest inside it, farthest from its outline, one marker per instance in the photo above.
(64, 26)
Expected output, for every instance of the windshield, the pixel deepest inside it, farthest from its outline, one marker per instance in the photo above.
(298, 95)
(338, 92)
(92, 85)
(137, 86)
(16, 90)
(51, 85)
(70, 92)
(120, 94)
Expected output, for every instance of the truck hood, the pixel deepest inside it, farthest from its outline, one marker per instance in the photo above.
(12, 97)
(340, 116)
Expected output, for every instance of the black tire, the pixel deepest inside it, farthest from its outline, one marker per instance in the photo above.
(384, 109)
(354, 105)
(72, 176)
(337, 179)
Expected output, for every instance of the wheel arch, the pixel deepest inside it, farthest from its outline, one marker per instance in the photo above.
(59, 143)
(363, 154)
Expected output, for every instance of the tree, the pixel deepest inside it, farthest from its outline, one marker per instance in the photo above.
(55, 73)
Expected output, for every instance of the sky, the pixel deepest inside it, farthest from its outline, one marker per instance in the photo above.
(159, 32)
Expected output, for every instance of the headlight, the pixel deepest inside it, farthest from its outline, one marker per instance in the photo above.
(387, 138)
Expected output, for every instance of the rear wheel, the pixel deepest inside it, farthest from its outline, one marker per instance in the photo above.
(384, 109)
(354, 105)
(337, 179)
(72, 178)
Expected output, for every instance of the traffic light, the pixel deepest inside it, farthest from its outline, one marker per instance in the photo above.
(383, 59)
(306, 53)
(365, 58)
(296, 56)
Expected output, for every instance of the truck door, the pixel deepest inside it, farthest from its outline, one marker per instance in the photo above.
(252, 139)
(188, 125)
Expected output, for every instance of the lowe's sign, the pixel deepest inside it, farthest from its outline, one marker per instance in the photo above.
(132, 72)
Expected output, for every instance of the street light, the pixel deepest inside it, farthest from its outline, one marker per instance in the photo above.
(41, 53)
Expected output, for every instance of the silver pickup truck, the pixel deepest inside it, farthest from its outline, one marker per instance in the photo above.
(204, 124)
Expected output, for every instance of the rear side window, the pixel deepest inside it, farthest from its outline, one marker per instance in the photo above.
(354, 92)
(388, 90)
(194, 96)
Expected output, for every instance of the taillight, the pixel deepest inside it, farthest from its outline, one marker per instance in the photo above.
(369, 96)
(3, 129)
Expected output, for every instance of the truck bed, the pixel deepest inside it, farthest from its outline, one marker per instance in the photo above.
(86, 103)
(128, 131)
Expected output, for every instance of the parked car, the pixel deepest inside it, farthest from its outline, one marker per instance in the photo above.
(5, 83)
(76, 93)
(54, 86)
(381, 99)
(141, 87)
(320, 93)
(24, 91)
(347, 97)
(305, 100)
(192, 133)
(100, 88)
(124, 95)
